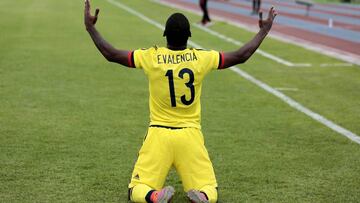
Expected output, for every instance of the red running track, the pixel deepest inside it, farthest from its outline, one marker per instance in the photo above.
(313, 38)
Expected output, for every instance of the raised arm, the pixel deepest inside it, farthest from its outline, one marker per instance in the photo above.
(245, 52)
(109, 52)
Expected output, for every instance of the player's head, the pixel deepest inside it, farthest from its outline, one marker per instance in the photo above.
(177, 30)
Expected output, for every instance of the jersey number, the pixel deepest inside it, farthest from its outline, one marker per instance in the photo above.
(189, 84)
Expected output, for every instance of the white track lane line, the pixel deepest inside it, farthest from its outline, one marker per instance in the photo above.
(352, 136)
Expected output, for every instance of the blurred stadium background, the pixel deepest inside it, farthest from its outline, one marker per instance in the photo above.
(284, 127)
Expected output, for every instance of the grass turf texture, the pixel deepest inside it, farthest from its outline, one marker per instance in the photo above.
(71, 124)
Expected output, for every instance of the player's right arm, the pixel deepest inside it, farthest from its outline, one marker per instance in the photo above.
(109, 52)
(245, 52)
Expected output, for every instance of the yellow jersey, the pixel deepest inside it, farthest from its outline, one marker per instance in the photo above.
(175, 81)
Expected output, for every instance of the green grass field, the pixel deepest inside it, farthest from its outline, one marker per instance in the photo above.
(71, 123)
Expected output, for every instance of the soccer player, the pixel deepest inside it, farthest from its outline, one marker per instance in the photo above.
(174, 135)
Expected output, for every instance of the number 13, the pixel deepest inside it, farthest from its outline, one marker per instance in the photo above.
(189, 84)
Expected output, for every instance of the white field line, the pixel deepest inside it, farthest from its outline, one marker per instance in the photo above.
(352, 136)
(336, 64)
(286, 89)
(259, 51)
(322, 49)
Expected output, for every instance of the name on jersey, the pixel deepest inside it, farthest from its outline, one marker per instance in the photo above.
(176, 59)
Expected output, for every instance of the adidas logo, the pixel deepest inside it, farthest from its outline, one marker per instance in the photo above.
(137, 177)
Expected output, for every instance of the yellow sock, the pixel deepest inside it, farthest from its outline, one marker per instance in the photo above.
(211, 193)
(139, 193)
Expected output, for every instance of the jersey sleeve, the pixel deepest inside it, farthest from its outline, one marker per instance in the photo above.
(141, 58)
(213, 60)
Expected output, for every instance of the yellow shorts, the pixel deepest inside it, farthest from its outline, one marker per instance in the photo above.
(182, 148)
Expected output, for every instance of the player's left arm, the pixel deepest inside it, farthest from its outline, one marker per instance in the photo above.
(107, 50)
(245, 52)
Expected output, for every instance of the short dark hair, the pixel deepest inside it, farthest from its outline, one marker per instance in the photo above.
(177, 30)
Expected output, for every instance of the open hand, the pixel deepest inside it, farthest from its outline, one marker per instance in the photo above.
(90, 20)
(266, 24)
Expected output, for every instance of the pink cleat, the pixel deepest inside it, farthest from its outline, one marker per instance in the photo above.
(163, 196)
(196, 196)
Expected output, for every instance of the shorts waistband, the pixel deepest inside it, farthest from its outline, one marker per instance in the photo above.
(167, 127)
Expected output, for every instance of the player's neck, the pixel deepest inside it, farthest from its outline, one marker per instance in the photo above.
(176, 48)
